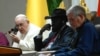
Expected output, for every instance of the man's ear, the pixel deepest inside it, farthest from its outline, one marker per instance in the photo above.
(82, 17)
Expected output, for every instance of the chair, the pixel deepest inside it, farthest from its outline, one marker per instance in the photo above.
(97, 26)
(96, 21)
(10, 51)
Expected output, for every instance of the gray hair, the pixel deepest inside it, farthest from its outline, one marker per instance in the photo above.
(21, 16)
(77, 10)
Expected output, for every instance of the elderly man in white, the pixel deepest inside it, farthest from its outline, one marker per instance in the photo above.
(26, 31)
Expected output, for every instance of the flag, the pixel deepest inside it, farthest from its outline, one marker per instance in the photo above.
(36, 10)
(53, 4)
(98, 10)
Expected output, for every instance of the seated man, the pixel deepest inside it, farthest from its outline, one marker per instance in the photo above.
(60, 36)
(26, 31)
(87, 38)
(3, 40)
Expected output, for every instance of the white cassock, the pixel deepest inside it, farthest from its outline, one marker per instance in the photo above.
(26, 40)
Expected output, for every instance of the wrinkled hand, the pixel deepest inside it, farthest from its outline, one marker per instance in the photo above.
(45, 27)
(14, 37)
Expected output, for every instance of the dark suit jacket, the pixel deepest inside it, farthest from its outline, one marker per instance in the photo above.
(88, 43)
(63, 39)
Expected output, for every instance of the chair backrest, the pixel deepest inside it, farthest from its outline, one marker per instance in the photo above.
(96, 21)
(10, 51)
(97, 26)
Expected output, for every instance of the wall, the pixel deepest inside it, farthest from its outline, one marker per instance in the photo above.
(8, 10)
(92, 5)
